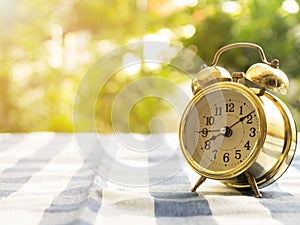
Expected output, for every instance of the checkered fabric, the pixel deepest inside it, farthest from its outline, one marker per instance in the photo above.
(44, 179)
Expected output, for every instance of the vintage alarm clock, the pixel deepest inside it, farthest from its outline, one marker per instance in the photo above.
(235, 129)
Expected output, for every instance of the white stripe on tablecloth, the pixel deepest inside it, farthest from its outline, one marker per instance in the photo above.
(290, 181)
(27, 205)
(251, 213)
(29, 145)
(130, 205)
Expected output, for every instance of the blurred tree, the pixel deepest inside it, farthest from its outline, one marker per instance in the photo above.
(46, 48)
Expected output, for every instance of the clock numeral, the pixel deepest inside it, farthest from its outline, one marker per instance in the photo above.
(249, 119)
(218, 111)
(247, 145)
(215, 153)
(204, 132)
(226, 157)
(210, 120)
(241, 110)
(253, 132)
(207, 144)
(238, 154)
(229, 107)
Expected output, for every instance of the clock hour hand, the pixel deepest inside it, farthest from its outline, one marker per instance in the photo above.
(215, 136)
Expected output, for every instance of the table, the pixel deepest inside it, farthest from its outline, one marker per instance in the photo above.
(56, 178)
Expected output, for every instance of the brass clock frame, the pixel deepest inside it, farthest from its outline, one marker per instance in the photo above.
(275, 150)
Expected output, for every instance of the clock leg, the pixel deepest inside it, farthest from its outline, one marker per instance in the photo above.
(198, 183)
(253, 184)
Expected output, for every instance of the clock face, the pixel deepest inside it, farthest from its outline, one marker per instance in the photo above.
(222, 130)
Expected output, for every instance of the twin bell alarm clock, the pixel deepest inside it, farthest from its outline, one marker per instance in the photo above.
(235, 129)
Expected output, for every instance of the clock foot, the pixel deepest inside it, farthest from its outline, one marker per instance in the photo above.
(253, 184)
(198, 183)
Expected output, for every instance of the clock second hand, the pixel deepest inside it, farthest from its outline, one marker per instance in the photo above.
(201, 131)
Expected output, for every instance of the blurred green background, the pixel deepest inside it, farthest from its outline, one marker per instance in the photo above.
(46, 47)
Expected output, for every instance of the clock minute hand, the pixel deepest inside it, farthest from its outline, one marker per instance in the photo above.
(242, 119)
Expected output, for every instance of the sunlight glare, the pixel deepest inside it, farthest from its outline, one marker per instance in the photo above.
(184, 3)
(231, 7)
(290, 6)
(188, 31)
(131, 64)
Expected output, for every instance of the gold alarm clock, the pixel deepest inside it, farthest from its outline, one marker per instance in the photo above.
(235, 129)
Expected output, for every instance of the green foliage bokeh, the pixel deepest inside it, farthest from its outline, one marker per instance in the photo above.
(47, 47)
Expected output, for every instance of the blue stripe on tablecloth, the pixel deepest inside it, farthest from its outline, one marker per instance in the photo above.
(78, 190)
(176, 204)
(83, 177)
(172, 197)
(37, 161)
(90, 203)
(78, 222)
(81, 198)
(71, 203)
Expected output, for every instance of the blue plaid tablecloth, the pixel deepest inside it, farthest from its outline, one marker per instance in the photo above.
(45, 179)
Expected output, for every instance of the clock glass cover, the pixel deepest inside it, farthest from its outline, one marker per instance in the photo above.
(222, 130)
